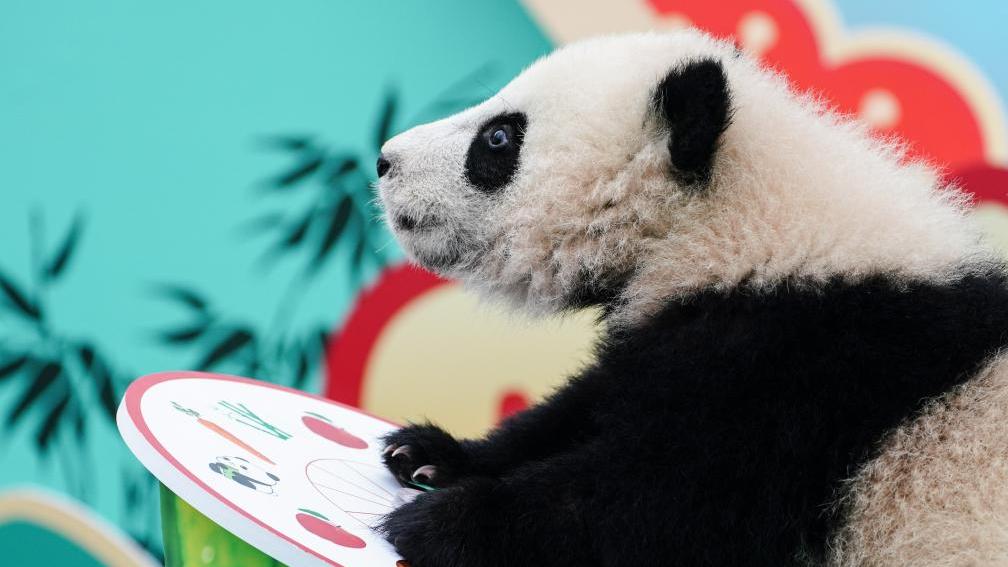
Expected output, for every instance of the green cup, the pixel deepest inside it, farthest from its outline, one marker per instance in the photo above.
(193, 540)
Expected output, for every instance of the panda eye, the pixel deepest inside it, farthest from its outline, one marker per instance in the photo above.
(495, 152)
(498, 136)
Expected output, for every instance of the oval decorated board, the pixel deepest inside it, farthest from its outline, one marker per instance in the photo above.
(296, 476)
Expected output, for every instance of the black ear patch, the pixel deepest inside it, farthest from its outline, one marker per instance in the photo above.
(494, 153)
(695, 103)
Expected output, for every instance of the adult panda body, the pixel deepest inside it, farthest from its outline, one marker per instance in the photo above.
(801, 363)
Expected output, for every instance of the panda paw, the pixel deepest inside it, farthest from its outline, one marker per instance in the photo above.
(426, 455)
(460, 525)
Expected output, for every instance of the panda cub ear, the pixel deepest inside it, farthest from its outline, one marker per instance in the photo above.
(694, 102)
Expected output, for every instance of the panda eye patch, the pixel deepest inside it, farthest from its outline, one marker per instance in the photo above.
(494, 154)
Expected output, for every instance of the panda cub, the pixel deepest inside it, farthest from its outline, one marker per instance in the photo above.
(801, 357)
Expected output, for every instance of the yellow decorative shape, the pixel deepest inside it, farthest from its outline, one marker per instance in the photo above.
(880, 108)
(758, 32)
(993, 219)
(450, 358)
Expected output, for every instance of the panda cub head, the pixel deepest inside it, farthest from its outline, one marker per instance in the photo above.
(630, 171)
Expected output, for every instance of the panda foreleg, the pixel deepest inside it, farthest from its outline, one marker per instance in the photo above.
(427, 454)
(546, 513)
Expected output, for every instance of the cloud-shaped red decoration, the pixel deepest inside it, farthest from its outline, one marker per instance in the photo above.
(905, 97)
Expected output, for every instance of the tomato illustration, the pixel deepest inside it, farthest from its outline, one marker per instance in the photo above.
(323, 427)
(319, 525)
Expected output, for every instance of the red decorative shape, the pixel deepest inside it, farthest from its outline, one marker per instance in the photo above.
(335, 434)
(511, 403)
(348, 351)
(986, 182)
(934, 117)
(328, 531)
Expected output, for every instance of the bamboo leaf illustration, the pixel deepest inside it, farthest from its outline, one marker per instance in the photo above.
(347, 165)
(290, 142)
(252, 367)
(107, 394)
(323, 336)
(86, 353)
(449, 99)
(184, 335)
(299, 230)
(242, 414)
(357, 261)
(298, 173)
(101, 378)
(385, 119)
(344, 165)
(232, 343)
(337, 223)
(132, 494)
(80, 423)
(183, 295)
(263, 222)
(43, 379)
(66, 249)
(51, 423)
(11, 367)
(18, 299)
(301, 371)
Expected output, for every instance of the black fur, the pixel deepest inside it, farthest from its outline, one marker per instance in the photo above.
(594, 290)
(488, 168)
(421, 444)
(716, 434)
(695, 103)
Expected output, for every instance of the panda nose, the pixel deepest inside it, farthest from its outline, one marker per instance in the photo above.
(383, 165)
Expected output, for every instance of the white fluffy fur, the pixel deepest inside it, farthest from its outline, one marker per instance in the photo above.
(796, 190)
(938, 493)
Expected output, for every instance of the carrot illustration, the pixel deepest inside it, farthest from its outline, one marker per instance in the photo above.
(222, 432)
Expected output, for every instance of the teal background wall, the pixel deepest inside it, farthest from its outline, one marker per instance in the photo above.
(171, 154)
(155, 125)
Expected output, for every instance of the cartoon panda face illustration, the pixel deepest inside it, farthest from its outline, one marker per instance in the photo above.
(246, 474)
